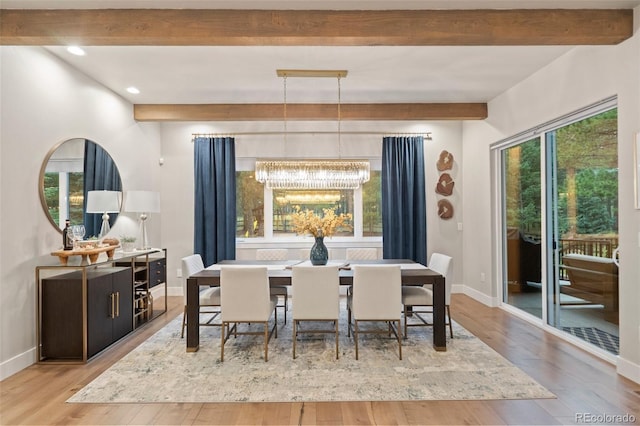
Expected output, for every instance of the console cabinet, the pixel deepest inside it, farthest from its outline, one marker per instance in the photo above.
(109, 311)
(82, 309)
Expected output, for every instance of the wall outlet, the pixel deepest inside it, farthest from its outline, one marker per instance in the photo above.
(482, 277)
(179, 273)
(459, 226)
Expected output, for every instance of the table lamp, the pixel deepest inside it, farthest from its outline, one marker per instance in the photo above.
(104, 202)
(142, 202)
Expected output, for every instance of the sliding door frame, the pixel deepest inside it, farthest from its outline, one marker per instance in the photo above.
(547, 234)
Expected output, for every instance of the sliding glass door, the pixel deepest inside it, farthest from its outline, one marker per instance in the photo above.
(560, 226)
(522, 216)
(582, 207)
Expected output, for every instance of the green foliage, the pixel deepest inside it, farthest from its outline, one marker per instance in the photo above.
(597, 202)
(249, 204)
(372, 205)
(585, 151)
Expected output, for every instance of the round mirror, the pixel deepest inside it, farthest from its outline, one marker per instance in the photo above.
(70, 170)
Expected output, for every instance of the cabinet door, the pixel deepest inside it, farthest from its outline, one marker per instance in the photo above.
(123, 288)
(62, 317)
(99, 311)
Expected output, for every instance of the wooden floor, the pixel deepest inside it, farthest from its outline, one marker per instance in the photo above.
(582, 383)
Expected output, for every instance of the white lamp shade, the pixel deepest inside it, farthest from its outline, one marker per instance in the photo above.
(103, 202)
(142, 201)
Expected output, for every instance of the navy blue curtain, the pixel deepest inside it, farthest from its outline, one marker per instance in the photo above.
(100, 173)
(404, 218)
(215, 199)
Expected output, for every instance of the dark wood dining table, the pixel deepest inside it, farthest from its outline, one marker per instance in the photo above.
(280, 274)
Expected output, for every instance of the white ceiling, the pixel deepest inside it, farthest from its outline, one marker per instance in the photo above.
(248, 74)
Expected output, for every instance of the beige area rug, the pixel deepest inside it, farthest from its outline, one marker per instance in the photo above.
(160, 370)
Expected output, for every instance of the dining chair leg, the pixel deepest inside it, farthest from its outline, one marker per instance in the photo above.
(450, 325)
(348, 322)
(275, 324)
(222, 341)
(336, 328)
(405, 322)
(286, 308)
(355, 337)
(266, 341)
(399, 336)
(294, 338)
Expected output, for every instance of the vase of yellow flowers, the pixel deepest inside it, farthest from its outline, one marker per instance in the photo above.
(308, 222)
(319, 254)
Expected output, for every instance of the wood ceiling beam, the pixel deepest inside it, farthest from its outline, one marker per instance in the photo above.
(209, 27)
(309, 112)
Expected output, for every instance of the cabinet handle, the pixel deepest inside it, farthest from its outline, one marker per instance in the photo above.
(111, 296)
(117, 303)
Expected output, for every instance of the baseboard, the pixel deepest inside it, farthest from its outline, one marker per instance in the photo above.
(629, 370)
(492, 302)
(158, 291)
(17, 363)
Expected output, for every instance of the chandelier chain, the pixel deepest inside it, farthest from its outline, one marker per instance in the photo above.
(284, 79)
(339, 120)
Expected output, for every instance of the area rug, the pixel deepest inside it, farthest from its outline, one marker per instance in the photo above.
(595, 336)
(160, 370)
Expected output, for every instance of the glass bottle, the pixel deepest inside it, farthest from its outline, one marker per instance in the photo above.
(67, 235)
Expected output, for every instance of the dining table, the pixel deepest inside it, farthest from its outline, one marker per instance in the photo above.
(279, 272)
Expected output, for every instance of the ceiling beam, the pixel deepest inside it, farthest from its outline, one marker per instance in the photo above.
(209, 27)
(309, 112)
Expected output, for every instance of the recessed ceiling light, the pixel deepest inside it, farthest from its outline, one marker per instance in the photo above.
(75, 50)
(133, 90)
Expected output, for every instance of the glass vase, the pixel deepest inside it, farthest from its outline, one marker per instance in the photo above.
(319, 254)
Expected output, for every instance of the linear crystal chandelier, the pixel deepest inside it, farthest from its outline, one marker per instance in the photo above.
(312, 174)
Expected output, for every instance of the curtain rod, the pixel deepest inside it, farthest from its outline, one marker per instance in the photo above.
(426, 135)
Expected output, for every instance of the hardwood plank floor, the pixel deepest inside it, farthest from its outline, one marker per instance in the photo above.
(582, 383)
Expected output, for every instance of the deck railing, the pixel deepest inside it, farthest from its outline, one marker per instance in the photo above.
(599, 247)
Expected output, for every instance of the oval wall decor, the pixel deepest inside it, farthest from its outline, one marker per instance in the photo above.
(445, 185)
(445, 161)
(445, 209)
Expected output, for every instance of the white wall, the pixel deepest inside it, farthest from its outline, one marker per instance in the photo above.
(177, 175)
(44, 101)
(581, 77)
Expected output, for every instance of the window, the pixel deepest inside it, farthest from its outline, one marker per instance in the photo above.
(372, 206)
(253, 200)
(249, 205)
(286, 202)
(65, 188)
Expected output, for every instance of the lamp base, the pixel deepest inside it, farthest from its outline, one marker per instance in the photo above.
(104, 230)
(144, 243)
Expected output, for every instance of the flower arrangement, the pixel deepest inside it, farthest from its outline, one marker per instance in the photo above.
(307, 222)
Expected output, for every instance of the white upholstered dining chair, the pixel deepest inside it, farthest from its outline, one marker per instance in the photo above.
(280, 290)
(376, 296)
(245, 298)
(420, 299)
(209, 296)
(362, 253)
(315, 297)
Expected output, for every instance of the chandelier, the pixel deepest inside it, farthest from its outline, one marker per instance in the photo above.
(312, 174)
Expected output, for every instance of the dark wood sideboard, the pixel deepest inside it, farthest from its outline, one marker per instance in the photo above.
(83, 309)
